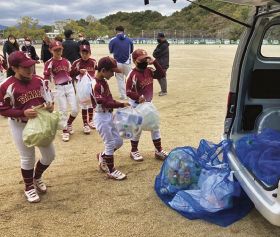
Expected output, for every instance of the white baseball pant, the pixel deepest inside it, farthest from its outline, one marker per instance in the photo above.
(66, 95)
(108, 132)
(155, 134)
(121, 78)
(27, 154)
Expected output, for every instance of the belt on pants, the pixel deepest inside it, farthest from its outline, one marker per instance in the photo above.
(18, 120)
(64, 83)
(104, 111)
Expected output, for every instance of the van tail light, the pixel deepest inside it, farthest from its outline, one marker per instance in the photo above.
(230, 111)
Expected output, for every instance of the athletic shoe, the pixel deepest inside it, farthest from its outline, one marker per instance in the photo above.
(32, 195)
(102, 164)
(65, 137)
(135, 155)
(116, 175)
(162, 93)
(40, 185)
(70, 129)
(161, 155)
(91, 125)
(86, 129)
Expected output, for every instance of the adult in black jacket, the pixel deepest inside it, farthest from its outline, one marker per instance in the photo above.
(30, 51)
(161, 54)
(45, 49)
(10, 46)
(70, 47)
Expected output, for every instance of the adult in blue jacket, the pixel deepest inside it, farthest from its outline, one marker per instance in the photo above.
(121, 47)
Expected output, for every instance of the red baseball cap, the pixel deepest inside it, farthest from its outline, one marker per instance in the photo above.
(109, 64)
(56, 45)
(19, 58)
(140, 55)
(85, 48)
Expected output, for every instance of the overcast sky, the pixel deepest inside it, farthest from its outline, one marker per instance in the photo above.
(48, 11)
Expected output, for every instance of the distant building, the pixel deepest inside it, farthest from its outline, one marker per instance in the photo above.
(53, 34)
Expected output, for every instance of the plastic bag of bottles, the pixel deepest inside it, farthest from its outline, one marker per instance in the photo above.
(199, 179)
(150, 116)
(214, 194)
(127, 121)
(84, 89)
(180, 171)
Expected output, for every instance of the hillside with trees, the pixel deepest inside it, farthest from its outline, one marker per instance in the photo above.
(190, 21)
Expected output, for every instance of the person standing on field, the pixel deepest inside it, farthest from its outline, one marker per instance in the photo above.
(161, 54)
(121, 47)
(10, 46)
(71, 50)
(18, 95)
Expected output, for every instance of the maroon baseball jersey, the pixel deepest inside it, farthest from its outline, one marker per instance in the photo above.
(89, 65)
(17, 96)
(103, 96)
(141, 82)
(58, 70)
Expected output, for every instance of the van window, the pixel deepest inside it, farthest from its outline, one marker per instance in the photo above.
(271, 42)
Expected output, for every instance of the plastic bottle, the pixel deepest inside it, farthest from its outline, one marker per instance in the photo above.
(134, 119)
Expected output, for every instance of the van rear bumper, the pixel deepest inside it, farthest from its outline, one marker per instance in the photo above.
(265, 201)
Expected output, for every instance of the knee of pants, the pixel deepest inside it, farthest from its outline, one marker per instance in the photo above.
(74, 112)
(118, 143)
(48, 159)
(27, 163)
(155, 134)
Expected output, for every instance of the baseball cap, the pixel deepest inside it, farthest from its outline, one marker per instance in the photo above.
(19, 58)
(85, 48)
(140, 55)
(109, 64)
(56, 45)
(160, 35)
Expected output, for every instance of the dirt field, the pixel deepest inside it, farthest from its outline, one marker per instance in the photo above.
(82, 202)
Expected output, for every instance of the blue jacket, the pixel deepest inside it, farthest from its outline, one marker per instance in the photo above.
(121, 47)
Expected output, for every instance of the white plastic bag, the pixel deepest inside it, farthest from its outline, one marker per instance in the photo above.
(150, 116)
(84, 89)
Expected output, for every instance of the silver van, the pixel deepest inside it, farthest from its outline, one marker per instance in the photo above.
(254, 97)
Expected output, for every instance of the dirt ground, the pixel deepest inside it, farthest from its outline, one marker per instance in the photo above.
(81, 201)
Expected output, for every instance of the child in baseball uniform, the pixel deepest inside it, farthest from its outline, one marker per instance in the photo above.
(139, 88)
(103, 117)
(18, 95)
(58, 69)
(83, 65)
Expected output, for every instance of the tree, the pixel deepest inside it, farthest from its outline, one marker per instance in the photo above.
(29, 27)
(47, 28)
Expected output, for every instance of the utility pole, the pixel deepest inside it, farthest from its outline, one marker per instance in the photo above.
(142, 33)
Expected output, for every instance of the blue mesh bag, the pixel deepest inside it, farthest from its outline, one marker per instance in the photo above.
(260, 154)
(199, 184)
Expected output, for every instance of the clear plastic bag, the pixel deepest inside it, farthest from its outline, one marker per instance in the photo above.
(84, 89)
(41, 130)
(127, 121)
(180, 171)
(150, 116)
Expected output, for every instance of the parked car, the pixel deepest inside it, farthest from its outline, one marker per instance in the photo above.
(254, 98)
